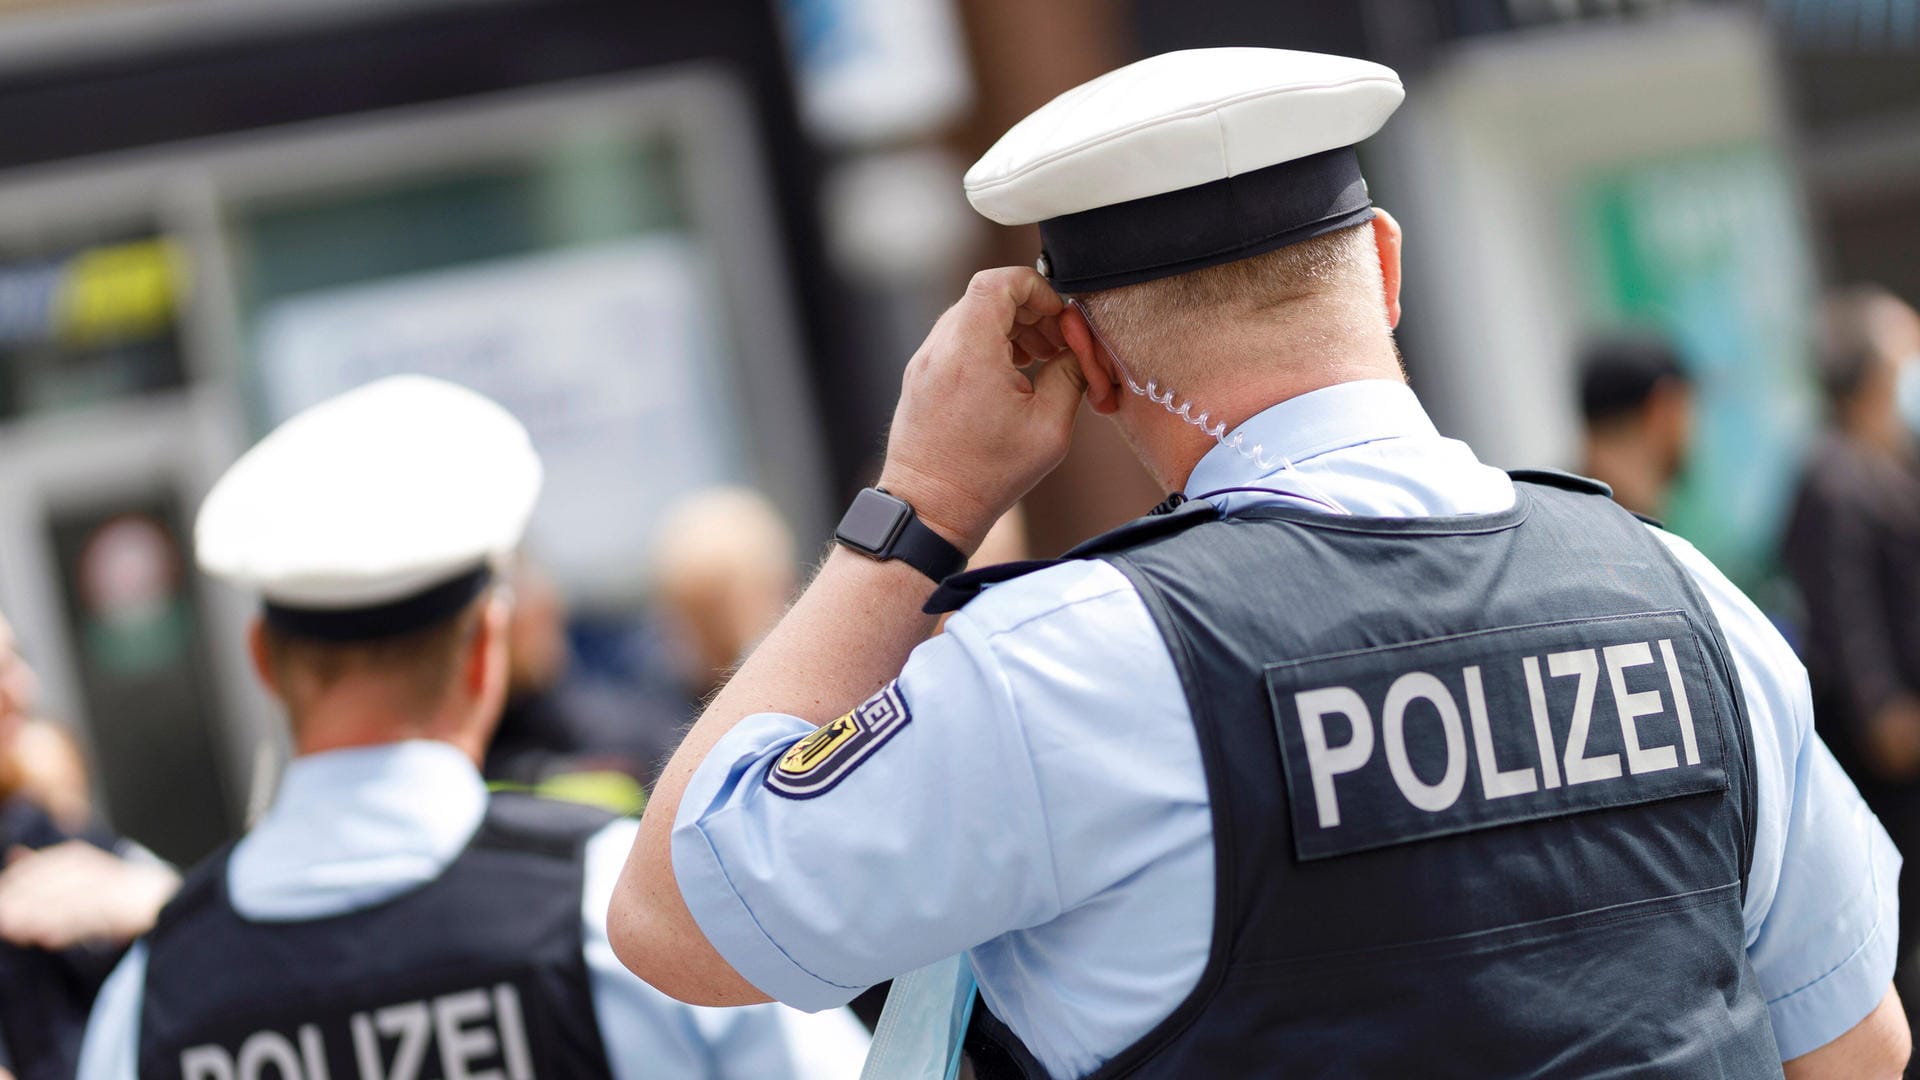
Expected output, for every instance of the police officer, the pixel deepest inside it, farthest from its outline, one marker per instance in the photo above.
(1367, 760)
(387, 920)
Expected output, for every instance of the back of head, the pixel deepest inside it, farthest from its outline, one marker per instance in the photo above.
(1864, 328)
(1620, 375)
(723, 570)
(1320, 294)
(373, 526)
(415, 670)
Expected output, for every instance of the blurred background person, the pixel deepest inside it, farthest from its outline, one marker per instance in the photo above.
(1852, 543)
(48, 768)
(723, 571)
(565, 732)
(1852, 547)
(1636, 405)
(68, 903)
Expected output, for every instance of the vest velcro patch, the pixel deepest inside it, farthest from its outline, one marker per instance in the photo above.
(1392, 745)
(816, 763)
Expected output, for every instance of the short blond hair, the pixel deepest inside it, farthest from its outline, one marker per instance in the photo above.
(422, 665)
(1149, 322)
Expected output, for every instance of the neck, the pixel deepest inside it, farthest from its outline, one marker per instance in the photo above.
(1633, 466)
(348, 717)
(1290, 362)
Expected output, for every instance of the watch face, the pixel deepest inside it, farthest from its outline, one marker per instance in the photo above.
(873, 520)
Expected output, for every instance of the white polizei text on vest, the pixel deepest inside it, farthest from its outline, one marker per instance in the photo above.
(1552, 768)
(466, 1029)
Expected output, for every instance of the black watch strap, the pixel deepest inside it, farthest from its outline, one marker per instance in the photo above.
(883, 526)
(927, 551)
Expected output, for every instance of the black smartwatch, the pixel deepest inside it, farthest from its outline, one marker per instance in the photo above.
(882, 526)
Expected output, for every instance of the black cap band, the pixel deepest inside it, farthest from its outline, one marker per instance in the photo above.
(405, 615)
(1218, 222)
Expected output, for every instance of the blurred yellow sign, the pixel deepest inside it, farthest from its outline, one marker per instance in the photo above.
(119, 292)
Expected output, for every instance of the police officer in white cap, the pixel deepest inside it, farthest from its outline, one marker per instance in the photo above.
(1362, 759)
(387, 920)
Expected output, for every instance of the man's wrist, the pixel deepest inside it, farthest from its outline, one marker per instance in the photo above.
(961, 521)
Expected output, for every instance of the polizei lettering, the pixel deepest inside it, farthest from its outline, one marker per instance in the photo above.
(476, 1034)
(1391, 745)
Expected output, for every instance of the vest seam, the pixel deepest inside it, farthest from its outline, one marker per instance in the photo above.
(1742, 720)
(1608, 915)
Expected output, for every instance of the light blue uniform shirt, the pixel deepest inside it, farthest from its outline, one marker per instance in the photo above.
(351, 828)
(1045, 805)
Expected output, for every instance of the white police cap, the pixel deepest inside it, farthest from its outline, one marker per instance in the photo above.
(1188, 159)
(373, 513)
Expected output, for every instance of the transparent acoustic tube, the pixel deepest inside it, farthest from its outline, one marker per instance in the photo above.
(1215, 429)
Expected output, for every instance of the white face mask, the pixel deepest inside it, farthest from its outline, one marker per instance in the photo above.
(923, 1024)
(1906, 393)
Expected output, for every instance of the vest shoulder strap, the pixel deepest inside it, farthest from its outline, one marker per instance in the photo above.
(957, 591)
(1566, 481)
(532, 825)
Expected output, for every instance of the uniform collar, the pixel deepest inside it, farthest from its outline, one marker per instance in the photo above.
(349, 824)
(1319, 422)
(373, 774)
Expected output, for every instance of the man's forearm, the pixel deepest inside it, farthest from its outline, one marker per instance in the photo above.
(848, 634)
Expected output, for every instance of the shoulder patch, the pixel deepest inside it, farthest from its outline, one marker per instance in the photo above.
(816, 763)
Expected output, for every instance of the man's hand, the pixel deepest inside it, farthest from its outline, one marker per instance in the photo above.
(74, 893)
(986, 406)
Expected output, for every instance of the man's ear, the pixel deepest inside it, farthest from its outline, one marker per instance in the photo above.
(1387, 238)
(487, 652)
(262, 658)
(1098, 368)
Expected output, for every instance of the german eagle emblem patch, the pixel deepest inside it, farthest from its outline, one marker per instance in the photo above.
(816, 763)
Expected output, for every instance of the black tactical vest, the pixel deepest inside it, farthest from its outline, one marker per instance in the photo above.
(477, 973)
(1482, 795)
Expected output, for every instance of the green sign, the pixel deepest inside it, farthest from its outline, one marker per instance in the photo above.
(1708, 248)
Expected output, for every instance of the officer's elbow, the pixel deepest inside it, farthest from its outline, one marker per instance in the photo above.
(633, 929)
(658, 940)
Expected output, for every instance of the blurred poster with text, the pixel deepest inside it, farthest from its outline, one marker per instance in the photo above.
(610, 355)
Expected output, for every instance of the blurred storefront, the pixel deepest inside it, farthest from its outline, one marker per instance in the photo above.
(212, 217)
